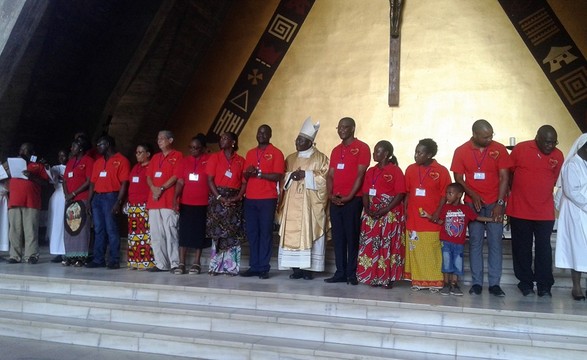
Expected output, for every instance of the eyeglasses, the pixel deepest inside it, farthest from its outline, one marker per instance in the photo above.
(102, 144)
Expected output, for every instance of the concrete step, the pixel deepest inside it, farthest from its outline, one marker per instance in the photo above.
(180, 320)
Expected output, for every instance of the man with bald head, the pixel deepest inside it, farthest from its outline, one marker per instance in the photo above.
(482, 165)
(536, 166)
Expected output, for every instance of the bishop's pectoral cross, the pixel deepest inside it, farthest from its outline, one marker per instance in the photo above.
(394, 51)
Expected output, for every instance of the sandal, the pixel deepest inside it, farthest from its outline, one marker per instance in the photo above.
(180, 270)
(195, 269)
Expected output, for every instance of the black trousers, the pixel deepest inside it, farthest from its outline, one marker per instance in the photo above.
(526, 233)
(346, 226)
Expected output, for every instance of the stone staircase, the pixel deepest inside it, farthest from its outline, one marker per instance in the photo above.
(207, 317)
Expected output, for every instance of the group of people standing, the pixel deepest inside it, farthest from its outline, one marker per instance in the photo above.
(386, 225)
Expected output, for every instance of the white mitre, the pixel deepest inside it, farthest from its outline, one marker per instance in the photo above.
(309, 130)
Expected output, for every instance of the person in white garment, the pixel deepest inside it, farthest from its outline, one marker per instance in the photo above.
(3, 215)
(571, 201)
(56, 211)
(303, 211)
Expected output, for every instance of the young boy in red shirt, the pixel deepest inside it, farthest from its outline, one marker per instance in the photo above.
(455, 217)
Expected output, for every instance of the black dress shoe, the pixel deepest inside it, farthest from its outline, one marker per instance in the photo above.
(335, 279)
(542, 293)
(155, 269)
(578, 298)
(249, 273)
(475, 289)
(113, 266)
(296, 275)
(264, 275)
(352, 280)
(57, 259)
(495, 290)
(308, 275)
(526, 292)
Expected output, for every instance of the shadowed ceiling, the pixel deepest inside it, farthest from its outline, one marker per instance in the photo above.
(116, 66)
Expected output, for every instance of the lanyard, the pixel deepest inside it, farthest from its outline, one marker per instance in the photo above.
(259, 157)
(425, 175)
(162, 160)
(479, 163)
(196, 163)
(375, 178)
(228, 161)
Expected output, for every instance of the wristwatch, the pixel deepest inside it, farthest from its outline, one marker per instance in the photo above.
(500, 202)
(259, 173)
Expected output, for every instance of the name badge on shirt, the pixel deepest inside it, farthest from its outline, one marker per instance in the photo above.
(479, 176)
(228, 174)
(70, 174)
(135, 179)
(372, 192)
(194, 177)
(340, 166)
(158, 174)
(420, 192)
(103, 173)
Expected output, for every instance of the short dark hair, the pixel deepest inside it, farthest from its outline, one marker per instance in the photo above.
(201, 138)
(109, 139)
(430, 145)
(458, 187)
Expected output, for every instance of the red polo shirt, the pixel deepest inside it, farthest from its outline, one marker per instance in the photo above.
(268, 160)
(108, 176)
(161, 168)
(219, 166)
(468, 160)
(425, 187)
(390, 180)
(195, 180)
(345, 160)
(138, 189)
(27, 193)
(76, 173)
(534, 178)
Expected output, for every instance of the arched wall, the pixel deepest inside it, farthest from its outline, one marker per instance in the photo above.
(461, 60)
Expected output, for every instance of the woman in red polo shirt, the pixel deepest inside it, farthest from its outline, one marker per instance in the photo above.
(224, 224)
(191, 192)
(426, 182)
(140, 254)
(381, 241)
(76, 182)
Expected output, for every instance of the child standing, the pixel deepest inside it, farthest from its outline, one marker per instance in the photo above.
(455, 216)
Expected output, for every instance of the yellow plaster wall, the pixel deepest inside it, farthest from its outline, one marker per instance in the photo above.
(461, 60)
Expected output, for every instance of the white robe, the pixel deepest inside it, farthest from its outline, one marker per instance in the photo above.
(3, 218)
(55, 217)
(303, 213)
(571, 238)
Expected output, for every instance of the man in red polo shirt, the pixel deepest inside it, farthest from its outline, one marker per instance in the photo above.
(348, 162)
(264, 168)
(536, 166)
(163, 218)
(482, 165)
(24, 205)
(108, 186)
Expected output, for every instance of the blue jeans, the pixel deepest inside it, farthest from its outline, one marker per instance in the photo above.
(494, 242)
(105, 228)
(452, 258)
(259, 214)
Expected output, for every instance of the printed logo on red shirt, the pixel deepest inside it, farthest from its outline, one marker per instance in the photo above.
(387, 177)
(553, 163)
(354, 151)
(82, 166)
(434, 175)
(116, 163)
(268, 157)
(172, 160)
(494, 154)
